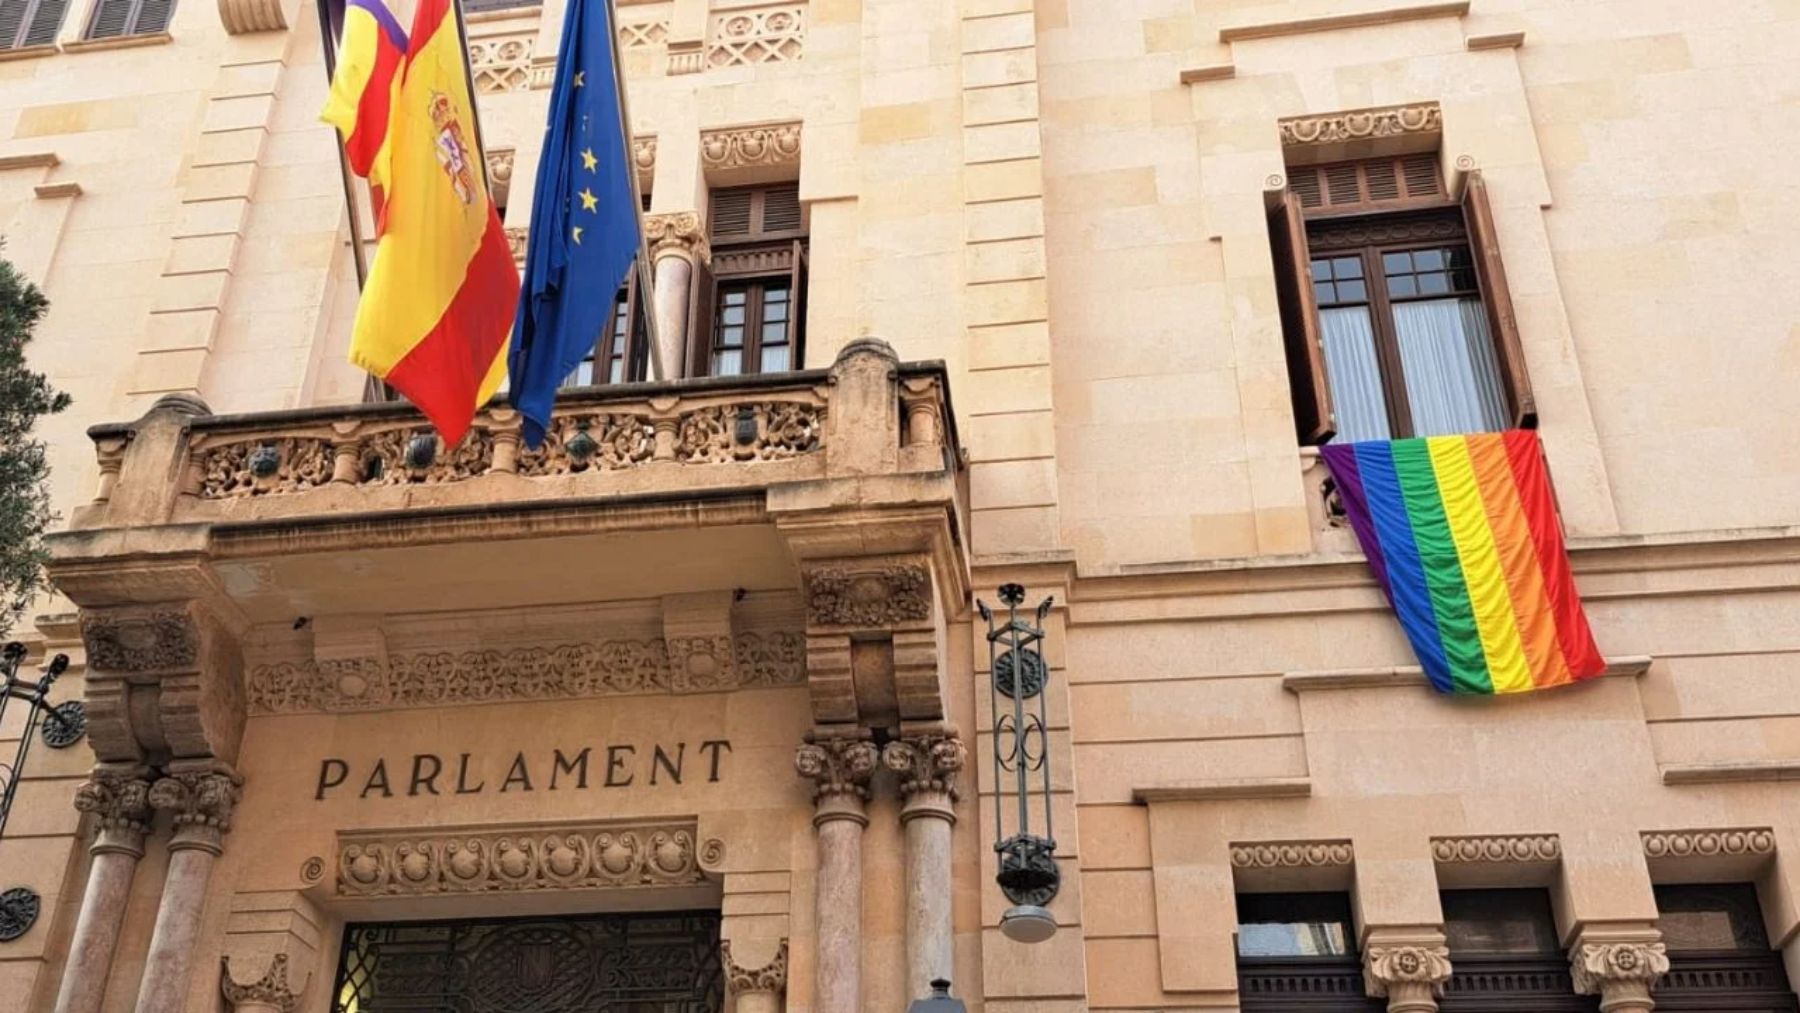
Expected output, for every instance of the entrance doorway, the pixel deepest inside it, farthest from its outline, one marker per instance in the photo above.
(621, 963)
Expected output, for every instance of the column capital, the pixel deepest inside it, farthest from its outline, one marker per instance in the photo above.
(120, 801)
(201, 802)
(677, 234)
(928, 765)
(840, 768)
(1409, 975)
(271, 992)
(771, 977)
(1621, 971)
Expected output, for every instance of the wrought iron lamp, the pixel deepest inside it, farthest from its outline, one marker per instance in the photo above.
(63, 726)
(1028, 874)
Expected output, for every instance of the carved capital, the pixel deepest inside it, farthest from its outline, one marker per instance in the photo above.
(270, 993)
(928, 766)
(1415, 973)
(868, 597)
(201, 803)
(771, 977)
(735, 148)
(1620, 973)
(840, 769)
(680, 233)
(120, 803)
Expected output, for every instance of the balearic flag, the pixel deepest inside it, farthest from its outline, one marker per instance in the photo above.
(440, 294)
(584, 219)
(1463, 535)
(363, 86)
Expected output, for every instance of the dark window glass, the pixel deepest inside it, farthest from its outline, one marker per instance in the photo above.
(1294, 925)
(1499, 921)
(1717, 916)
(752, 330)
(617, 355)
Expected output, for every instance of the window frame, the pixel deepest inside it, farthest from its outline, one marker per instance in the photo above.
(753, 258)
(129, 28)
(756, 288)
(28, 22)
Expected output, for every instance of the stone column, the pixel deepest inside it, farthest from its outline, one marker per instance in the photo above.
(120, 800)
(270, 993)
(928, 765)
(677, 242)
(1409, 976)
(201, 800)
(1620, 972)
(756, 990)
(840, 769)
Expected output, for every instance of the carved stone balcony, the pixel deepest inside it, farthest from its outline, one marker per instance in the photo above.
(837, 491)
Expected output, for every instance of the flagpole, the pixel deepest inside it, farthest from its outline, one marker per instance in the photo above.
(357, 254)
(646, 283)
(462, 42)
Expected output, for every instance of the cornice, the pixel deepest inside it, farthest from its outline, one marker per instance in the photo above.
(1362, 124)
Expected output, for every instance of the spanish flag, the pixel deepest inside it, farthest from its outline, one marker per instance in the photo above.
(439, 300)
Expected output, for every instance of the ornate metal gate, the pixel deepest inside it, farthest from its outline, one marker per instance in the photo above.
(636, 963)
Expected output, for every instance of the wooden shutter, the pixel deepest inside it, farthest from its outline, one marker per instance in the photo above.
(797, 308)
(1372, 184)
(112, 18)
(1478, 218)
(1313, 419)
(13, 14)
(729, 215)
(700, 323)
(45, 22)
(152, 16)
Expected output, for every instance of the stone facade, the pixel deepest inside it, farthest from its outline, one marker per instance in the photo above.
(330, 681)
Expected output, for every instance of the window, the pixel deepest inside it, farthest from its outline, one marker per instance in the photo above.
(1505, 955)
(620, 353)
(30, 22)
(115, 18)
(1297, 951)
(1394, 304)
(1719, 952)
(753, 316)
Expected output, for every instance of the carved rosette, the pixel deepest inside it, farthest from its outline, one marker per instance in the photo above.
(771, 977)
(1409, 977)
(679, 234)
(1362, 124)
(928, 766)
(539, 857)
(270, 993)
(120, 802)
(1292, 855)
(1497, 849)
(1732, 843)
(200, 803)
(868, 598)
(840, 769)
(1621, 973)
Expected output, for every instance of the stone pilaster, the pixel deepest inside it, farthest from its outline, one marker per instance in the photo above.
(840, 768)
(1619, 966)
(119, 800)
(200, 797)
(928, 766)
(759, 989)
(1410, 975)
(271, 993)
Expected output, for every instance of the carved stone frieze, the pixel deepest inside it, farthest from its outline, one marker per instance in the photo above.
(1497, 848)
(771, 977)
(877, 596)
(773, 34)
(1752, 841)
(1618, 972)
(502, 63)
(271, 991)
(1362, 124)
(1292, 855)
(738, 147)
(926, 763)
(765, 431)
(643, 34)
(602, 442)
(284, 464)
(679, 233)
(840, 768)
(493, 675)
(531, 857)
(140, 640)
(1390, 970)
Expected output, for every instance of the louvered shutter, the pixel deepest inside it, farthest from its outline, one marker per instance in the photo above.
(112, 18)
(12, 19)
(1478, 218)
(153, 16)
(700, 325)
(1371, 184)
(45, 22)
(780, 210)
(1313, 419)
(797, 307)
(729, 217)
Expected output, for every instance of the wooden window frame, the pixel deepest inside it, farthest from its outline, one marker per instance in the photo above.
(130, 26)
(755, 258)
(636, 337)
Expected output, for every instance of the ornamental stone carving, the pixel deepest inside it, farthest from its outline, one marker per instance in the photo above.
(287, 464)
(678, 233)
(493, 675)
(771, 977)
(1292, 855)
(533, 857)
(774, 34)
(1362, 124)
(1755, 841)
(926, 764)
(140, 640)
(738, 147)
(271, 992)
(200, 802)
(1620, 973)
(1410, 977)
(242, 16)
(868, 598)
(839, 768)
(1499, 848)
(643, 154)
(502, 63)
(120, 803)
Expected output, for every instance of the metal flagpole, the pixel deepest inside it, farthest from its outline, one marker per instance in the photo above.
(356, 237)
(646, 283)
(462, 42)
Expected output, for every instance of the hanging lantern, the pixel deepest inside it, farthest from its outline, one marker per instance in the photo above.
(1028, 874)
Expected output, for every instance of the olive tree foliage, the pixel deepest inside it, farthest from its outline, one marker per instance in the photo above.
(25, 396)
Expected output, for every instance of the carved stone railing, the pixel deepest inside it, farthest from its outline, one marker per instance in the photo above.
(1331, 531)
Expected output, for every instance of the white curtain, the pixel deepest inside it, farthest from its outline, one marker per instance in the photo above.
(1452, 377)
(1354, 374)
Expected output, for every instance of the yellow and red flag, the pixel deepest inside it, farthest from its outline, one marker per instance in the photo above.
(363, 86)
(439, 300)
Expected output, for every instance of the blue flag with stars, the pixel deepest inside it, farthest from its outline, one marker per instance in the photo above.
(584, 220)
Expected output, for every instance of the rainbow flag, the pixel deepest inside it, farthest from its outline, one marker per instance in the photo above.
(438, 303)
(1463, 535)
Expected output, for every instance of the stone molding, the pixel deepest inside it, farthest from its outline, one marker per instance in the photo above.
(643, 154)
(1292, 855)
(270, 992)
(1408, 976)
(743, 147)
(928, 765)
(162, 679)
(839, 767)
(678, 233)
(201, 802)
(1620, 973)
(567, 671)
(120, 802)
(751, 35)
(771, 977)
(502, 63)
(151, 639)
(1362, 124)
(1723, 843)
(609, 854)
(867, 596)
(1497, 849)
(243, 16)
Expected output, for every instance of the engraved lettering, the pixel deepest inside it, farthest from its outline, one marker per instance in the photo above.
(517, 775)
(332, 772)
(420, 777)
(577, 766)
(662, 762)
(462, 778)
(719, 747)
(615, 763)
(378, 779)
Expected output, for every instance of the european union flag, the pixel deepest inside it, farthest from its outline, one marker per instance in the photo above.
(584, 220)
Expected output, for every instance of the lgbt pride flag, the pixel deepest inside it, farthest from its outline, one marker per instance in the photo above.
(1463, 535)
(438, 302)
